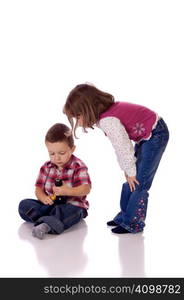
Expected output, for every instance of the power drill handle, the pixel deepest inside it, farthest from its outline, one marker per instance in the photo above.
(62, 199)
(58, 182)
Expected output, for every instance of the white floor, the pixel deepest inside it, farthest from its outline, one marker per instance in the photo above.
(90, 249)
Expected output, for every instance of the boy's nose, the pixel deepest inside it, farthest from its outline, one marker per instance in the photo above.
(57, 157)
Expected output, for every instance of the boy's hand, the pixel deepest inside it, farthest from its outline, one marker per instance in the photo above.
(46, 200)
(61, 190)
(131, 181)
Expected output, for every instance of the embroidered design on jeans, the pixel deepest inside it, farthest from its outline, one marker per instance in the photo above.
(138, 128)
(137, 223)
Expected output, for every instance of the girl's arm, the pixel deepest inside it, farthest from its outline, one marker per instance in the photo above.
(79, 191)
(123, 146)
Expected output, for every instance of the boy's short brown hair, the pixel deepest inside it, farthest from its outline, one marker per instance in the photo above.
(60, 133)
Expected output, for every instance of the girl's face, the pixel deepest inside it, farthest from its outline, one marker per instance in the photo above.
(80, 120)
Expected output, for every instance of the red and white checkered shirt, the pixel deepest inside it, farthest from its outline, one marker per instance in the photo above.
(73, 174)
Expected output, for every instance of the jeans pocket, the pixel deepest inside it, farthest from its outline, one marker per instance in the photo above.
(160, 139)
(157, 140)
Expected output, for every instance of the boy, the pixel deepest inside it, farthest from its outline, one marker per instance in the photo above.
(51, 212)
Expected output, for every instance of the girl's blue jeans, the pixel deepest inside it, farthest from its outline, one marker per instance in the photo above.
(58, 216)
(134, 204)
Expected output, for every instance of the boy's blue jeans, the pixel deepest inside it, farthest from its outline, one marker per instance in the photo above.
(58, 216)
(134, 204)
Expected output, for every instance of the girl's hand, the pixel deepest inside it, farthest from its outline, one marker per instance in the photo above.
(131, 181)
(46, 200)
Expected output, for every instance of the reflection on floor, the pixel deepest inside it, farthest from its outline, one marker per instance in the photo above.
(61, 255)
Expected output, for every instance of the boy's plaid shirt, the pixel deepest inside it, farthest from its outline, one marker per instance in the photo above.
(73, 174)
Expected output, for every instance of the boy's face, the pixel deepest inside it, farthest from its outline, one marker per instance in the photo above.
(59, 153)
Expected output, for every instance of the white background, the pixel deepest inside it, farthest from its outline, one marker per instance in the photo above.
(132, 49)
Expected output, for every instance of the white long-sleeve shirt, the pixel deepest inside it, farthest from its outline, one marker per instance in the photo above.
(123, 146)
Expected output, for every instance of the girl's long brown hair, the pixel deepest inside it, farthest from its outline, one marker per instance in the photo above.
(89, 102)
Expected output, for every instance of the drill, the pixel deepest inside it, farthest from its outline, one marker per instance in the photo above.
(59, 199)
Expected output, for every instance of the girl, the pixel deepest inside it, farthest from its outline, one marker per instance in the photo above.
(121, 123)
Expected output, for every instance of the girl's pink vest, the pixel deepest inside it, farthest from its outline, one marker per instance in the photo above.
(137, 119)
